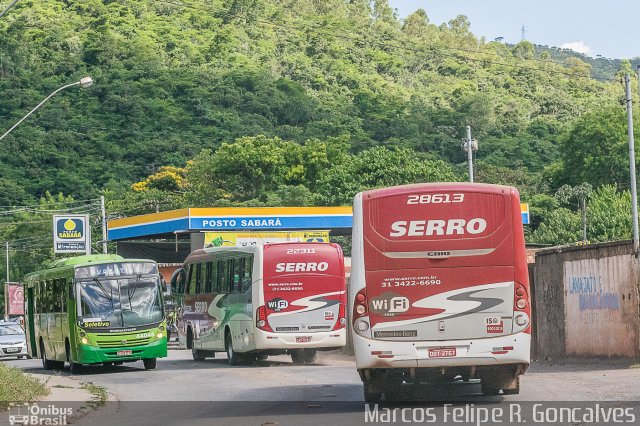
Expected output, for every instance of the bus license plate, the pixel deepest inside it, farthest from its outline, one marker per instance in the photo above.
(442, 352)
(303, 339)
(124, 353)
(10, 350)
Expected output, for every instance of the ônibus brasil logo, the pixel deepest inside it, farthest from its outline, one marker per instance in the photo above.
(277, 304)
(35, 414)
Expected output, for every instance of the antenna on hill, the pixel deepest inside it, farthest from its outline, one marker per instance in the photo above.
(524, 29)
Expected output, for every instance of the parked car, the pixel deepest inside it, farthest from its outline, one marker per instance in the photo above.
(12, 340)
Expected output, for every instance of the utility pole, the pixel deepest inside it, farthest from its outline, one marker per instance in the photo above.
(7, 248)
(6, 289)
(104, 224)
(470, 145)
(632, 163)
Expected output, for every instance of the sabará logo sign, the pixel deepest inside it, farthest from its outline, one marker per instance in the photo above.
(70, 229)
(71, 233)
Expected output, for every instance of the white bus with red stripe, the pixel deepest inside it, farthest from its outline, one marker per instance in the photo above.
(439, 287)
(252, 302)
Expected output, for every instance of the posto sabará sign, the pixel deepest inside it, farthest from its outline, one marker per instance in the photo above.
(71, 234)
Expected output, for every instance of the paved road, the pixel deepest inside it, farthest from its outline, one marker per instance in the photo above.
(275, 392)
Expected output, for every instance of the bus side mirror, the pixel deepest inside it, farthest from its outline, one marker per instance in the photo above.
(163, 284)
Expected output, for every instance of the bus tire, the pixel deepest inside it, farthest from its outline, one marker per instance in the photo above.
(297, 356)
(232, 356)
(46, 364)
(197, 355)
(371, 394)
(74, 368)
(189, 338)
(309, 356)
(149, 363)
(489, 388)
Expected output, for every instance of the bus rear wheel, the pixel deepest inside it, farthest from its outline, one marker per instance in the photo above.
(309, 356)
(149, 363)
(371, 394)
(46, 363)
(489, 387)
(304, 356)
(232, 356)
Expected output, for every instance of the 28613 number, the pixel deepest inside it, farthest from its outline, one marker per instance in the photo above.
(435, 198)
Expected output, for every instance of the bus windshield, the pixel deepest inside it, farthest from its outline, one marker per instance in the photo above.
(120, 302)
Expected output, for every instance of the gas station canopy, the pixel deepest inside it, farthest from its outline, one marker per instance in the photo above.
(191, 220)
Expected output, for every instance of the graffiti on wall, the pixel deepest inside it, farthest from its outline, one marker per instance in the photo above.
(590, 293)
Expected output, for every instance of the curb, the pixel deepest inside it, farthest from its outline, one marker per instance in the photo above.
(67, 393)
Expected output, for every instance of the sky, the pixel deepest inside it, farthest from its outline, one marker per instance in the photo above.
(592, 27)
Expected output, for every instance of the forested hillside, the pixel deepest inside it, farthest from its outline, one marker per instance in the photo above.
(273, 102)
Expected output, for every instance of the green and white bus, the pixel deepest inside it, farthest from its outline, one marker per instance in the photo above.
(95, 309)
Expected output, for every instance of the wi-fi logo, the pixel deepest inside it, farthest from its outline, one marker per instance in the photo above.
(277, 304)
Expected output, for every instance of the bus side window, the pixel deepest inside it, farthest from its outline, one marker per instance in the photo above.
(215, 285)
(207, 277)
(193, 274)
(200, 278)
(247, 265)
(70, 288)
(61, 295)
(36, 297)
(223, 279)
(237, 274)
(50, 293)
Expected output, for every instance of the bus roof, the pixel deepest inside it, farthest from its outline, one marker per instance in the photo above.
(86, 259)
(77, 261)
(444, 186)
(202, 253)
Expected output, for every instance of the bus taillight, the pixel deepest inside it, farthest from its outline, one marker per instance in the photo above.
(521, 297)
(261, 319)
(341, 318)
(360, 305)
(521, 310)
(360, 313)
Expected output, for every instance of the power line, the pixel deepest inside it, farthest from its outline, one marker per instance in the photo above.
(54, 202)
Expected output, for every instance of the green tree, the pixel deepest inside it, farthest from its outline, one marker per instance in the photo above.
(581, 194)
(562, 226)
(595, 149)
(609, 213)
(379, 167)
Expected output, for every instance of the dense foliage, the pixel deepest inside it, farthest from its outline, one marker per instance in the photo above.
(293, 102)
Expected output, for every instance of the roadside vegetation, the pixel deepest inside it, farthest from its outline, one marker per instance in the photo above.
(17, 386)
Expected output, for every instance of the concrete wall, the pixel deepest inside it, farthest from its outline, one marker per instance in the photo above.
(586, 300)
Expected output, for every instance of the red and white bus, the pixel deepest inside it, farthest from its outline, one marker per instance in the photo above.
(439, 287)
(256, 301)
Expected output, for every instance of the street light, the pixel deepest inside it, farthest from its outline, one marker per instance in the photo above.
(85, 82)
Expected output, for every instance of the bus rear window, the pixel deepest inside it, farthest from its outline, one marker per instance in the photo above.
(302, 259)
(405, 229)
